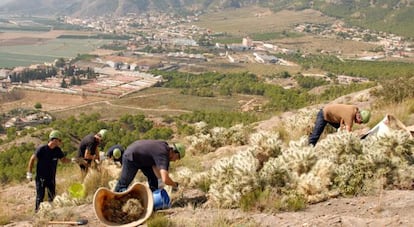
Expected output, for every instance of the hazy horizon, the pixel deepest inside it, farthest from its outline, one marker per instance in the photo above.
(3, 2)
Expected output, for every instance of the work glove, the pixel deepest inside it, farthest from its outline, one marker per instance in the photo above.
(29, 176)
(79, 161)
(160, 184)
(175, 189)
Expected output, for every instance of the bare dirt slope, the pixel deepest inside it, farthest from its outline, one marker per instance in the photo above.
(49, 101)
(387, 208)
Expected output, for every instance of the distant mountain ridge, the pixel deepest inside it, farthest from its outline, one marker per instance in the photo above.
(93, 7)
(99, 7)
(387, 15)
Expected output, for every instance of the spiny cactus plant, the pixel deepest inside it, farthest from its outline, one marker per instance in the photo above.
(219, 136)
(65, 200)
(238, 134)
(47, 209)
(301, 122)
(349, 177)
(299, 156)
(275, 173)
(339, 147)
(298, 168)
(311, 186)
(341, 163)
(201, 180)
(183, 175)
(396, 143)
(266, 145)
(205, 141)
(391, 156)
(233, 177)
(200, 144)
(201, 127)
(324, 169)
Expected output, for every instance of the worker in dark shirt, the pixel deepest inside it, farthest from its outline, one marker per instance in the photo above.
(115, 153)
(153, 158)
(88, 149)
(47, 157)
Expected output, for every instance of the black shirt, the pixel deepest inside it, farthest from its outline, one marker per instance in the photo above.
(147, 153)
(88, 142)
(47, 160)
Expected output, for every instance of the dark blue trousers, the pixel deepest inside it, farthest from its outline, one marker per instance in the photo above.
(42, 185)
(129, 170)
(320, 124)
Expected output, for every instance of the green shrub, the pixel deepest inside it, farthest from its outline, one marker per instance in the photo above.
(256, 200)
(159, 220)
(291, 201)
(396, 90)
(4, 220)
(38, 105)
(204, 185)
(14, 161)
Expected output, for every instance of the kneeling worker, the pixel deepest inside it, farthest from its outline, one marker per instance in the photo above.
(153, 158)
(115, 153)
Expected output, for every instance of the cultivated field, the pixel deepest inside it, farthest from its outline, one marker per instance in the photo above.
(26, 48)
(223, 66)
(258, 20)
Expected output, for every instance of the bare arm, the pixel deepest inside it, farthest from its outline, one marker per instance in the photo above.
(165, 176)
(342, 125)
(97, 156)
(31, 163)
(88, 155)
(348, 126)
(65, 160)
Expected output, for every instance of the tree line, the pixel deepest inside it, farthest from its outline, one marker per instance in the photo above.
(212, 84)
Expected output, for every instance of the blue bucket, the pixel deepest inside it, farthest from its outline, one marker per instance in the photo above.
(161, 199)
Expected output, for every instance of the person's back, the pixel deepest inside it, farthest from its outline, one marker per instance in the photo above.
(88, 142)
(148, 153)
(153, 158)
(337, 113)
(339, 116)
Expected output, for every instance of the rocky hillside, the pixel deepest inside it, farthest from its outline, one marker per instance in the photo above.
(192, 207)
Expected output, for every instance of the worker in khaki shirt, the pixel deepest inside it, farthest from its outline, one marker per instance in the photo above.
(339, 116)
